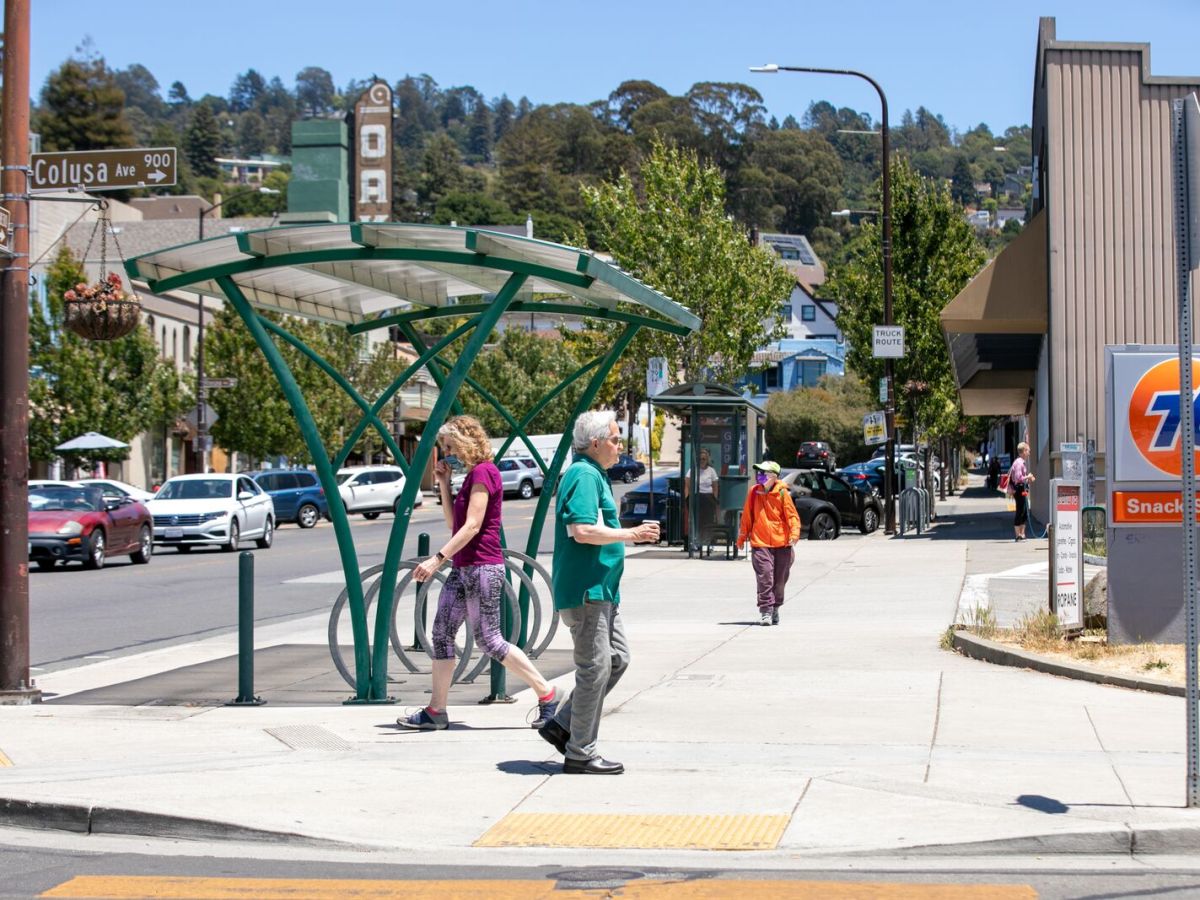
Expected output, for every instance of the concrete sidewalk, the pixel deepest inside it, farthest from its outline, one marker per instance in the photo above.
(845, 730)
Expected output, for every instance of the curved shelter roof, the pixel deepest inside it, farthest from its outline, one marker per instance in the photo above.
(353, 273)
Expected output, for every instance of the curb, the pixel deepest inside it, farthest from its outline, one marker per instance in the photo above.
(1003, 655)
(1171, 840)
(81, 819)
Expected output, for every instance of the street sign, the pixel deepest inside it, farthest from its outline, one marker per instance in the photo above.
(103, 170)
(874, 428)
(210, 416)
(883, 390)
(656, 376)
(211, 383)
(5, 222)
(888, 341)
(1067, 558)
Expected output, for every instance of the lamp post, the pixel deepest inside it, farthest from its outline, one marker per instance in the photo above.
(889, 493)
(201, 394)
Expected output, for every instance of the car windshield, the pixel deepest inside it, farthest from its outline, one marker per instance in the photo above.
(197, 489)
(65, 498)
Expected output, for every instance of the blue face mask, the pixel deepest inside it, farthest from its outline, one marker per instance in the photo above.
(761, 477)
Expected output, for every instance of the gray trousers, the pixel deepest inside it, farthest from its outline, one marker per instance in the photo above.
(601, 658)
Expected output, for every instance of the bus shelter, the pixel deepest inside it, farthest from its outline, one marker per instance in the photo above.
(362, 277)
(717, 419)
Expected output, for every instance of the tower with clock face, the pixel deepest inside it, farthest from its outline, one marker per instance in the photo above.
(372, 178)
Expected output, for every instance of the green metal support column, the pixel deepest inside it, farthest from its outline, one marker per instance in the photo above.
(383, 398)
(325, 474)
(483, 325)
(340, 380)
(439, 378)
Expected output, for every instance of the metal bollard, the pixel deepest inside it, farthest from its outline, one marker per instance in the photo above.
(245, 695)
(422, 554)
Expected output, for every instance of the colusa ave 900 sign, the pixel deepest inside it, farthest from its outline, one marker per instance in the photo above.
(103, 170)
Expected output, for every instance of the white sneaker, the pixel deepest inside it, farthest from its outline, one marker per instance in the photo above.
(765, 620)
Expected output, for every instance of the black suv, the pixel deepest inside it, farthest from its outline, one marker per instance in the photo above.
(815, 455)
(854, 506)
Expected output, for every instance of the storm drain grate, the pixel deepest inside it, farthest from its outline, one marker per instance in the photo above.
(308, 737)
(649, 832)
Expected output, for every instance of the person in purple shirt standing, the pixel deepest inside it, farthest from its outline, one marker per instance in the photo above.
(1019, 479)
(475, 586)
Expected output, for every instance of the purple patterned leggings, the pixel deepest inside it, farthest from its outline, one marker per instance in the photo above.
(471, 593)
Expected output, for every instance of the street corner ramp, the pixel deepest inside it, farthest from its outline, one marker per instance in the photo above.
(637, 831)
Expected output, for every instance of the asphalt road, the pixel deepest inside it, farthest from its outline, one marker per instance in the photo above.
(76, 614)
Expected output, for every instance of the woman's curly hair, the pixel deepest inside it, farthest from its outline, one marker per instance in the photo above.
(467, 438)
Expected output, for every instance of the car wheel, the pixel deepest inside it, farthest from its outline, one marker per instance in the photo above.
(46, 564)
(870, 520)
(235, 537)
(396, 507)
(268, 536)
(307, 516)
(145, 549)
(823, 528)
(627, 477)
(525, 490)
(371, 515)
(96, 549)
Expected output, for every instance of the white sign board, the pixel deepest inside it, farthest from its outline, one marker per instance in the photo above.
(883, 390)
(888, 341)
(874, 428)
(1071, 459)
(1067, 569)
(656, 376)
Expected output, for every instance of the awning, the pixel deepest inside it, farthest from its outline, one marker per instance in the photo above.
(995, 326)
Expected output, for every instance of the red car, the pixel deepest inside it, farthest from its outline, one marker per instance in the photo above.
(81, 523)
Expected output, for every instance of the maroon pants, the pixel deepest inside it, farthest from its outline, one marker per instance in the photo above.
(772, 566)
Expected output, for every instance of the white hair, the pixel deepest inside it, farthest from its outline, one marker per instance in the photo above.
(593, 425)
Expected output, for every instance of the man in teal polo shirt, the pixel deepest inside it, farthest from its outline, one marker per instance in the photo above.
(589, 557)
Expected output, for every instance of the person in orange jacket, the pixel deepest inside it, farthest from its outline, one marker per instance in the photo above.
(772, 526)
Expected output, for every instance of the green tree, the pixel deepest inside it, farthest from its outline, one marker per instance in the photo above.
(202, 142)
(674, 234)
(120, 388)
(83, 108)
(962, 183)
(315, 94)
(832, 412)
(934, 254)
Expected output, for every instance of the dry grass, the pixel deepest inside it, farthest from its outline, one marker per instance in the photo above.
(1038, 634)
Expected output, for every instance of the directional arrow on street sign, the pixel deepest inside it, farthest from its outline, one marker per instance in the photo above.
(103, 170)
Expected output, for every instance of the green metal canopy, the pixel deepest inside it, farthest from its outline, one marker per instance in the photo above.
(368, 276)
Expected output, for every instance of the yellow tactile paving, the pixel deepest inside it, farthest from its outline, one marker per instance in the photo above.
(113, 887)
(648, 832)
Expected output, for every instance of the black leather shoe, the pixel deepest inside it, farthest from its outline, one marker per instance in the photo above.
(555, 734)
(594, 766)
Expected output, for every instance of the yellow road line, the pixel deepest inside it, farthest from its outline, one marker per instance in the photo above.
(111, 887)
(649, 832)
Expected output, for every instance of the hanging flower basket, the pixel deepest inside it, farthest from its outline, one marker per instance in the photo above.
(103, 311)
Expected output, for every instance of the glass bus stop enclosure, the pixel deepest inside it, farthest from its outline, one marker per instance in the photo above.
(716, 421)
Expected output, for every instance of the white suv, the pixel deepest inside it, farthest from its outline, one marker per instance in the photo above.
(371, 490)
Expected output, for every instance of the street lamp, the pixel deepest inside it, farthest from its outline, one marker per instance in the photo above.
(201, 394)
(889, 494)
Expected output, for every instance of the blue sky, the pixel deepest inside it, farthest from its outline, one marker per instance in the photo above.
(970, 62)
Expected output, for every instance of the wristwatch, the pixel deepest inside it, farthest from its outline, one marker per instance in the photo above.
(441, 557)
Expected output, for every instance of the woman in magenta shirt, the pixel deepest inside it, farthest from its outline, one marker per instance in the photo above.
(475, 586)
(1019, 478)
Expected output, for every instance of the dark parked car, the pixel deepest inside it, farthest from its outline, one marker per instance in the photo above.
(862, 508)
(80, 523)
(819, 519)
(297, 495)
(871, 473)
(649, 501)
(815, 455)
(627, 469)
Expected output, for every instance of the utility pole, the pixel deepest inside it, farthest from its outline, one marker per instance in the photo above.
(16, 687)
